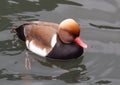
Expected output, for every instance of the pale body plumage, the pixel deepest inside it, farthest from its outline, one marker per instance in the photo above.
(40, 51)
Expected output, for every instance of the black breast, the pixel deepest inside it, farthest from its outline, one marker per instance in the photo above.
(65, 51)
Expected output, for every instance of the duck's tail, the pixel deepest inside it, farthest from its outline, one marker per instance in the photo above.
(20, 31)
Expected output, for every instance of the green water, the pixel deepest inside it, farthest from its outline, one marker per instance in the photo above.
(100, 29)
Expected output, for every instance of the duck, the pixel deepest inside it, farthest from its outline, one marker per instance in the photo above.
(52, 40)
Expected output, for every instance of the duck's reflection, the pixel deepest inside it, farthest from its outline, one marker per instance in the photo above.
(76, 71)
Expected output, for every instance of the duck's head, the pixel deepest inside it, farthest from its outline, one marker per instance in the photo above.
(69, 31)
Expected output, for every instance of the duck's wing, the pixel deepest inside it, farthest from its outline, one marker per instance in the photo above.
(40, 38)
(41, 32)
(47, 24)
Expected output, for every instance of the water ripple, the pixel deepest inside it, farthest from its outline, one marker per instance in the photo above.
(102, 47)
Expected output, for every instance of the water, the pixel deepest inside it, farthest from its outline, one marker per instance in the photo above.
(100, 29)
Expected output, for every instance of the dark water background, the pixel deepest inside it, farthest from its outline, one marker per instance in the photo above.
(100, 29)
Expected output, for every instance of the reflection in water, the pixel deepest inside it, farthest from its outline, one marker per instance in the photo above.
(29, 5)
(103, 82)
(67, 65)
(11, 47)
(102, 5)
(104, 26)
(76, 72)
(3, 75)
(73, 76)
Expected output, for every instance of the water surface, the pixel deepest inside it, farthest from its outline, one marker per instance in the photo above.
(100, 29)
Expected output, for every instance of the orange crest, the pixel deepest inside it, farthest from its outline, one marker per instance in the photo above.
(71, 26)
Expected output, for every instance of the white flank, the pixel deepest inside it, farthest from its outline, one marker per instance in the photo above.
(54, 40)
(30, 45)
(27, 43)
